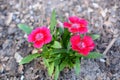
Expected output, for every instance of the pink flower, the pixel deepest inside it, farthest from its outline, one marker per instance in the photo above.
(76, 25)
(82, 45)
(40, 36)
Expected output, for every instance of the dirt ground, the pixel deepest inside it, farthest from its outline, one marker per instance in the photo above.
(103, 17)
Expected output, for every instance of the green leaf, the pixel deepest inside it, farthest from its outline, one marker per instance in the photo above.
(56, 72)
(71, 64)
(65, 38)
(68, 46)
(78, 55)
(57, 62)
(46, 62)
(95, 36)
(57, 59)
(56, 44)
(53, 21)
(29, 58)
(61, 30)
(63, 65)
(77, 66)
(94, 55)
(51, 68)
(54, 51)
(25, 28)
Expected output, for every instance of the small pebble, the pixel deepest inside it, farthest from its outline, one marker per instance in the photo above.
(17, 20)
(23, 21)
(9, 18)
(34, 51)
(30, 7)
(49, 2)
(0, 34)
(1, 68)
(5, 59)
(61, 0)
(18, 57)
(11, 30)
(90, 10)
(25, 36)
(102, 60)
(22, 77)
(20, 69)
(103, 12)
(31, 12)
(14, 16)
(95, 5)
(2, 22)
(79, 8)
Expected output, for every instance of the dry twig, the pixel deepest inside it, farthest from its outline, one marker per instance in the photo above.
(110, 44)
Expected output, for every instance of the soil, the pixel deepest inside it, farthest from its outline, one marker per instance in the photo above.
(103, 17)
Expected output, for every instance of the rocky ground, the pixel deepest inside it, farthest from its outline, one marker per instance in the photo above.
(103, 17)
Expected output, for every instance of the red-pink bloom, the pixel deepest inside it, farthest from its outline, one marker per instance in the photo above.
(40, 36)
(82, 45)
(76, 24)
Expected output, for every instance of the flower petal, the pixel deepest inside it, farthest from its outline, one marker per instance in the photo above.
(88, 40)
(32, 35)
(47, 39)
(38, 44)
(67, 25)
(75, 47)
(39, 40)
(82, 30)
(83, 22)
(84, 52)
(91, 47)
(47, 36)
(84, 48)
(73, 30)
(75, 39)
(74, 19)
(31, 38)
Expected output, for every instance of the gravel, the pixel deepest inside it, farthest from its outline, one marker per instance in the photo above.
(103, 17)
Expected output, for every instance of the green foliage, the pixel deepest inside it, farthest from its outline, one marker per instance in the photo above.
(63, 65)
(77, 66)
(54, 51)
(65, 38)
(51, 68)
(56, 44)
(29, 58)
(95, 36)
(25, 28)
(61, 30)
(68, 46)
(58, 53)
(78, 55)
(53, 21)
(94, 55)
(46, 62)
(57, 71)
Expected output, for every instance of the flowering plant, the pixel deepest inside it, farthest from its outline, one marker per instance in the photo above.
(61, 46)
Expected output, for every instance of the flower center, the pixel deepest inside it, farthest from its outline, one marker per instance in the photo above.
(82, 25)
(75, 25)
(81, 45)
(39, 36)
